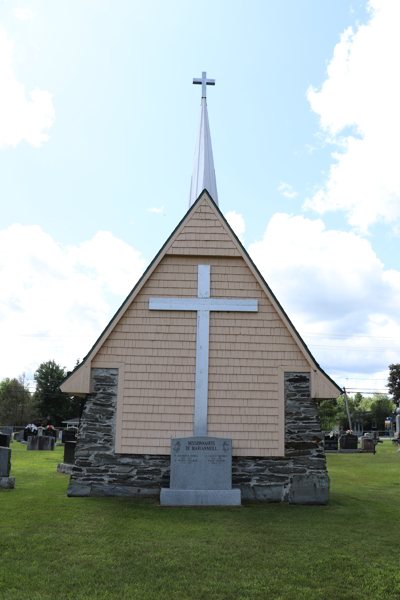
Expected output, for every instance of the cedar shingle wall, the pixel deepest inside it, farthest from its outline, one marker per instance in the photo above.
(203, 235)
(158, 348)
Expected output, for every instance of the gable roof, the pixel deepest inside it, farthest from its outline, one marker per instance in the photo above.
(178, 244)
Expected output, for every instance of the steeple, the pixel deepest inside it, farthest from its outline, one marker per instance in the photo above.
(203, 176)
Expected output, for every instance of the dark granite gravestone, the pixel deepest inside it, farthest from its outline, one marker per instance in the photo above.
(69, 452)
(348, 441)
(201, 473)
(28, 433)
(50, 432)
(69, 435)
(8, 431)
(41, 442)
(6, 482)
(331, 443)
(4, 440)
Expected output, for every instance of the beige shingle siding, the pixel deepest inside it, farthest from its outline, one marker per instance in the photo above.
(159, 349)
(203, 235)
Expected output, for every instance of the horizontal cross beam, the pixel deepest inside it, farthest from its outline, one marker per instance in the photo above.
(214, 304)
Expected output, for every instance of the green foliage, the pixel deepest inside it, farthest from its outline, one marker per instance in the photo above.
(54, 547)
(381, 407)
(53, 406)
(365, 411)
(328, 413)
(394, 382)
(17, 406)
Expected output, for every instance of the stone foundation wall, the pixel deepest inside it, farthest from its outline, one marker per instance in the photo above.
(299, 477)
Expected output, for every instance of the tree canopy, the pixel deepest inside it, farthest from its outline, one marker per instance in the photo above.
(17, 406)
(53, 406)
(394, 382)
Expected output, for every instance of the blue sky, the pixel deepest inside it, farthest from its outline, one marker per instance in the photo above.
(109, 134)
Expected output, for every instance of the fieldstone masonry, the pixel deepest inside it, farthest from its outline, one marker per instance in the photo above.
(299, 477)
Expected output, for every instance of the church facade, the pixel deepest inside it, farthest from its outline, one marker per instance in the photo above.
(201, 346)
(140, 378)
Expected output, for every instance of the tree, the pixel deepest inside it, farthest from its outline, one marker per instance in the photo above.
(17, 406)
(394, 382)
(328, 414)
(53, 406)
(381, 408)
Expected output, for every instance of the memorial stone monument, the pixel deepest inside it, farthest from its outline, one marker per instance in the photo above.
(8, 431)
(41, 442)
(4, 440)
(366, 444)
(201, 351)
(6, 481)
(201, 473)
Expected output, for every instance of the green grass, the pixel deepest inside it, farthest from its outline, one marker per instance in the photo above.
(58, 548)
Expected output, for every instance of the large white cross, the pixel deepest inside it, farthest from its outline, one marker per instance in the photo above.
(203, 304)
(204, 82)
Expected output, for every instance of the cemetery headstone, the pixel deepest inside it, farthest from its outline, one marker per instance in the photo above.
(8, 431)
(69, 435)
(50, 431)
(4, 440)
(20, 436)
(29, 431)
(348, 441)
(6, 482)
(331, 443)
(69, 452)
(40, 442)
(201, 473)
(366, 444)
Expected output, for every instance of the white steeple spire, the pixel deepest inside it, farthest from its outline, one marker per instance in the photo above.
(203, 176)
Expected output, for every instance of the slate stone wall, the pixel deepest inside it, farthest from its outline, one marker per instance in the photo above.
(299, 477)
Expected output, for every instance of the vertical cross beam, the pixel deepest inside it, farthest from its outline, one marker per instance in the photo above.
(202, 346)
(204, 82)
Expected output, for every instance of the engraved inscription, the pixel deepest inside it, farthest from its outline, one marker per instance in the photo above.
(201, 462)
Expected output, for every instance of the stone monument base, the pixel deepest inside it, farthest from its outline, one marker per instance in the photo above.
(7, 483)
(170, 497)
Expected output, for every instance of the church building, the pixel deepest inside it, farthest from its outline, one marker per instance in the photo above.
(201, 346)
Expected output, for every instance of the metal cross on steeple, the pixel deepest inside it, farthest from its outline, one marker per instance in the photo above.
(204, 83)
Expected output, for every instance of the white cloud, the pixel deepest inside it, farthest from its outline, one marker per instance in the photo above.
(362, 92)
(21, 118)
(157, 210)
(54, 300)
(332, 285)
(236, 221)
(23, 13)
(287, 190)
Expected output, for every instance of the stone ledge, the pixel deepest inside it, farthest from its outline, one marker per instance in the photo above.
(309, 489)
(7, 483)
(81, 490)
(170, 497)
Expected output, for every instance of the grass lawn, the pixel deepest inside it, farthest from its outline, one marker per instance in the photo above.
(58, 548)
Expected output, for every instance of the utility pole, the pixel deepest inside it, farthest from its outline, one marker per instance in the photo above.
(347, 408)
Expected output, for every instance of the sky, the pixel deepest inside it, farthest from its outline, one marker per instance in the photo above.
(98, 122)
